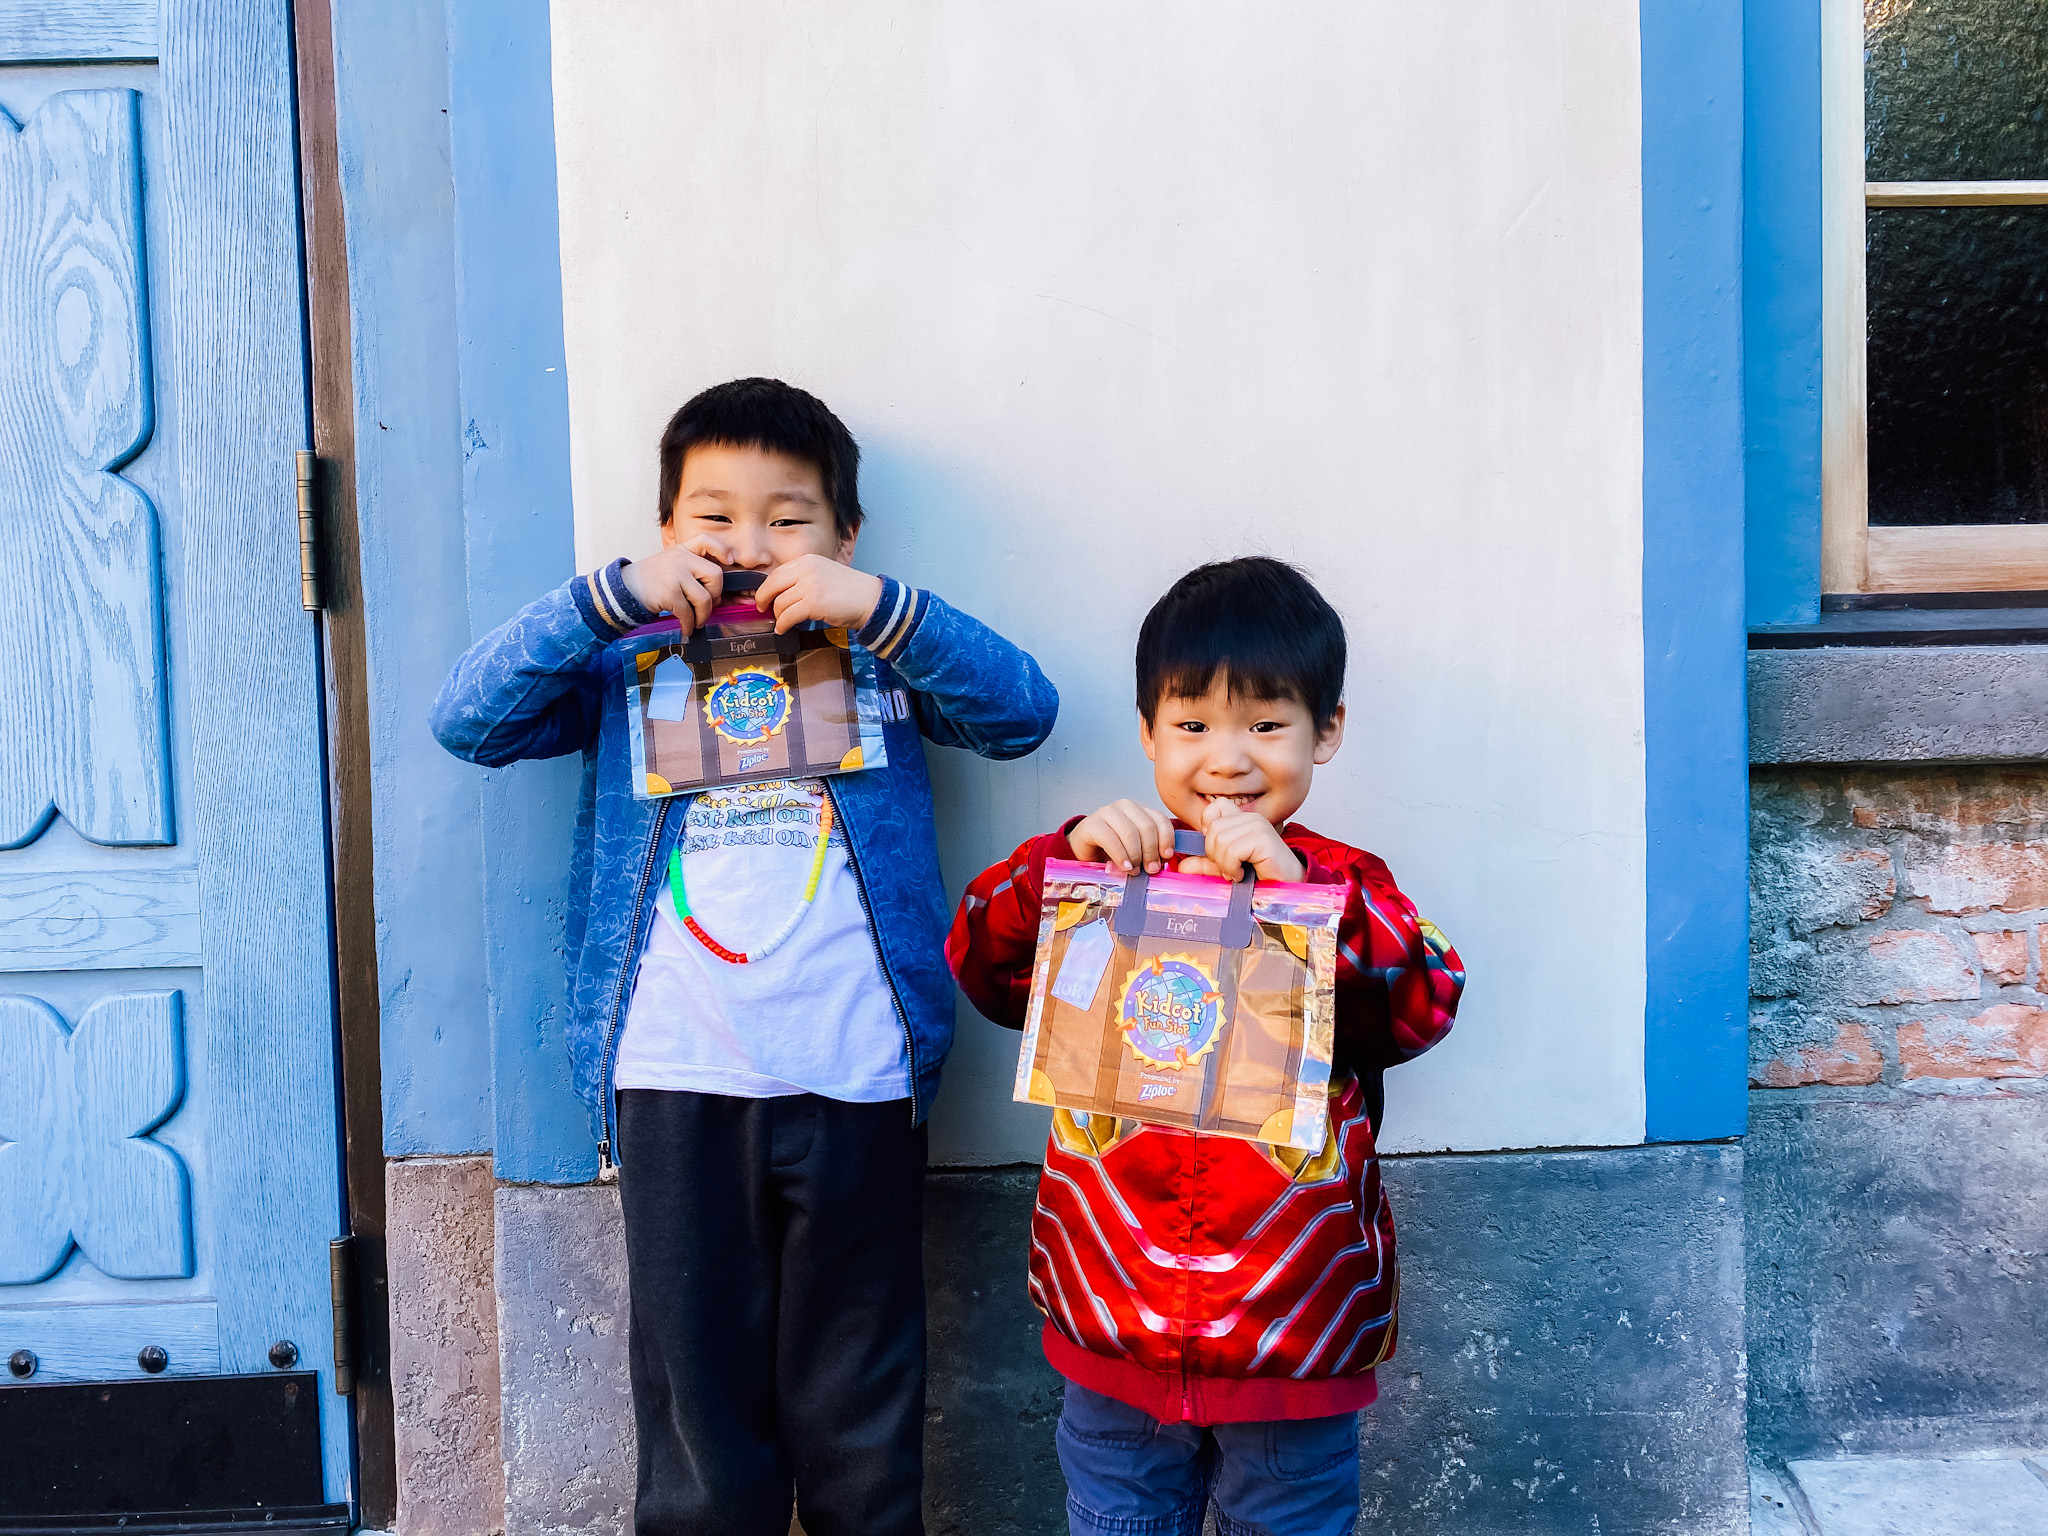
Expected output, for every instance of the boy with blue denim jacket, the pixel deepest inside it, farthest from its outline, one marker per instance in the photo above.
(758, 1023)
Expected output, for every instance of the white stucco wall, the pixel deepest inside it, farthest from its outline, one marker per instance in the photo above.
(1107, 290)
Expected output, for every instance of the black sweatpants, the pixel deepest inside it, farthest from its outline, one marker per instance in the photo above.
(777, 1345)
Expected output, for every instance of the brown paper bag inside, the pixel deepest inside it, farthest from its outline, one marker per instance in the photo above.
(1237, 1087)
(820, 734)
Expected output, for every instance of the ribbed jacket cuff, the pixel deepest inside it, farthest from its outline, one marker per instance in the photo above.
(608, 606)
(894, 620)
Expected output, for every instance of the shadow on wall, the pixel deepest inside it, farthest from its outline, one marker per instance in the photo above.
(930, 521)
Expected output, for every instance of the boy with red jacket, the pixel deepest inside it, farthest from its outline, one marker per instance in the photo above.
(1218, 1306)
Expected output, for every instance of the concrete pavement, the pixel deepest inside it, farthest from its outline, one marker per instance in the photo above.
(1900, 1496)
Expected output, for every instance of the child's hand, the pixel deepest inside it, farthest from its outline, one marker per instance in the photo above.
(1237, 838)
(678, 581)
(1127, 835)
(818, 587)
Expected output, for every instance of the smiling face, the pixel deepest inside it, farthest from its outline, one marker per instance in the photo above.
(749, 508)
(1256, 754)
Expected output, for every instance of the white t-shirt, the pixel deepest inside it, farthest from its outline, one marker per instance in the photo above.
(816, 1016)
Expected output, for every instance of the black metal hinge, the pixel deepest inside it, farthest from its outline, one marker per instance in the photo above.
(312, 593)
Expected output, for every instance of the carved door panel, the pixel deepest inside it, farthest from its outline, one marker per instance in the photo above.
(169, 1174)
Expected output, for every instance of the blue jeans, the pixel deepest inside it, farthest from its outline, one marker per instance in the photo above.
(1130, 1475)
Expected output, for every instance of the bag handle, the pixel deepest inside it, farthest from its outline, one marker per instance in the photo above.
(737, 583)
(1134, 915)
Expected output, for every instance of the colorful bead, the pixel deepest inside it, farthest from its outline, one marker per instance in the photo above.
(679, 889)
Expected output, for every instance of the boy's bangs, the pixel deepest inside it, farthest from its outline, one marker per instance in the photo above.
(1244, 677)
(774, 417)
(1258, 622)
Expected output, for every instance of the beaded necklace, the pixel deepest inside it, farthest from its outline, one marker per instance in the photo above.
(681, 893)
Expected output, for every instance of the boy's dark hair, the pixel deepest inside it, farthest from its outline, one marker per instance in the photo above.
(1258, 621)
(772, 415)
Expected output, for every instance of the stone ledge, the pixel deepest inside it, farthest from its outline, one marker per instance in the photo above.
(1881, 704)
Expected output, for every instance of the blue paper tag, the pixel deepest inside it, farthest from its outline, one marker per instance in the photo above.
(1081, 969)
(669, 698)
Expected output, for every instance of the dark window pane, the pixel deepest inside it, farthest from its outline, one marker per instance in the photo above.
(1958, 365)
(1955, 90)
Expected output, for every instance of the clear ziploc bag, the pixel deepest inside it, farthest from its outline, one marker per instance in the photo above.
(1184, 1000)
(736, 703)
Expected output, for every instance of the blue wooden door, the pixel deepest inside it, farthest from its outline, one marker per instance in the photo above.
(169, 1173)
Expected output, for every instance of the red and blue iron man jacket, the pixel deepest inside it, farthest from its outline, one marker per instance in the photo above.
(1201, 1278)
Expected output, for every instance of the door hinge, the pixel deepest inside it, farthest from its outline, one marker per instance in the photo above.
(312, 594)
(341, 1286)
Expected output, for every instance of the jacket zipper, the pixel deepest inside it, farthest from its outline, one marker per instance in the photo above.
(860, 886)
(626, 967)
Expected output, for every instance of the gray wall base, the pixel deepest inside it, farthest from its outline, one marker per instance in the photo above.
(990, 1468)
(568, 1410)
(1571, 1348)
(444, 1345)
(1898, 1274)
(1571, 1351)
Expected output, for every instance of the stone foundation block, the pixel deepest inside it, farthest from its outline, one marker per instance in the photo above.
(1571, 1350)
(444, 1346)
(569, 1449)
(1897, 1274)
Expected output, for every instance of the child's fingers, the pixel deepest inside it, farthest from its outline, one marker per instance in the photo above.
(794, 606)
(790, 593)
(1163, 825)
(1125, 835)
(778, 581)
(1139, 830)
(1146, 832)
(695, 595)
(708, 570)
(1250, 842)
(1241, 839)
(694, 582)
(1216, 843)
(708, 546)
(1089, 839)
(1123, 844)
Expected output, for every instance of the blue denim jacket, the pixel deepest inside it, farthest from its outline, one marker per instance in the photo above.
(547, 682)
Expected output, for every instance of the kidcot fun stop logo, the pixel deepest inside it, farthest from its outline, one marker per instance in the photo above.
(1172, 1013)
(751, 705)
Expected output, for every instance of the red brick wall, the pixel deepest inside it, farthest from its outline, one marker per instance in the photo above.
(1897, 919)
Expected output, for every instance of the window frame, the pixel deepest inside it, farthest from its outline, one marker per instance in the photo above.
(1856, 557)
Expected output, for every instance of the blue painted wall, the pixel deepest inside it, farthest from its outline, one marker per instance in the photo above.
(1781, 254)
(398, 194)
(462, 432)
(1695, 730)
(515, 433)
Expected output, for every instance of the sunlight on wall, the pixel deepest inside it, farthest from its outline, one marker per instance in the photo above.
(1358, 285)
